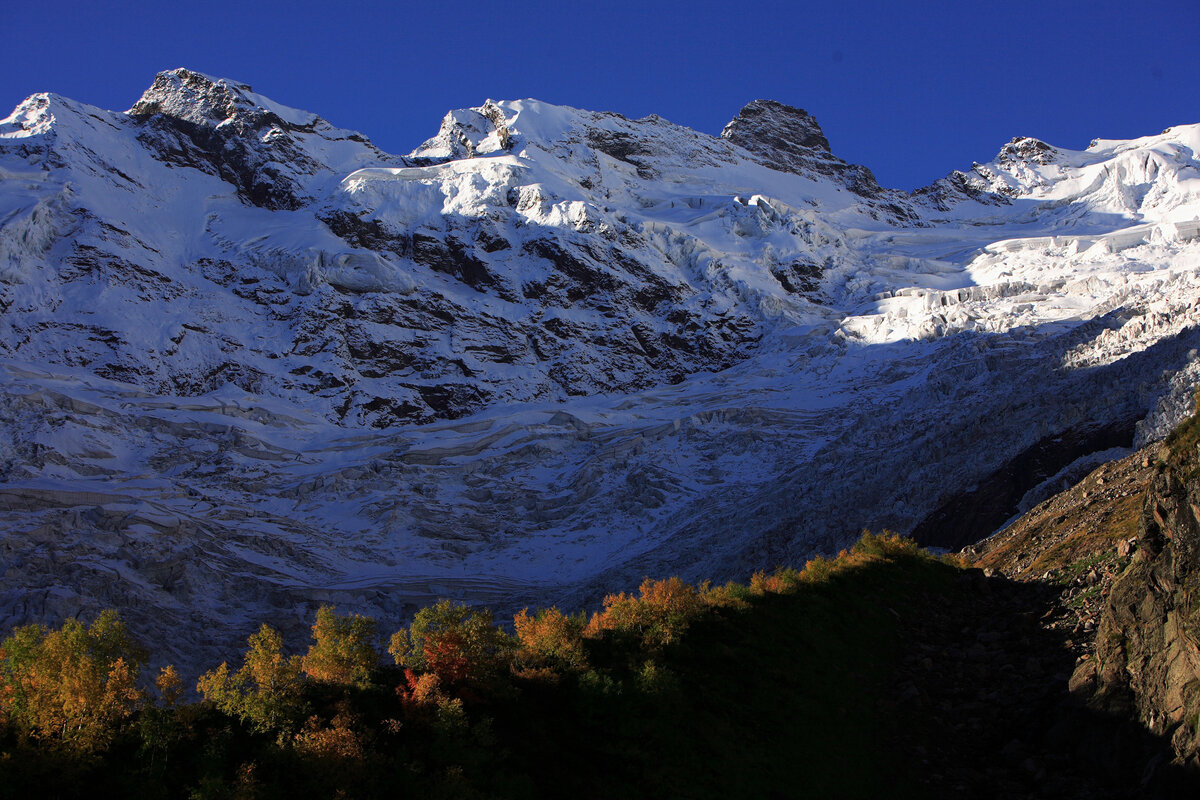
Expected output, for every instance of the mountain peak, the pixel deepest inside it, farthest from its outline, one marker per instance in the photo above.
(1027, 149)
(789, 139)
(204, 100)
(771, 125)
(33, 116)
(277, 156)
(469, 132)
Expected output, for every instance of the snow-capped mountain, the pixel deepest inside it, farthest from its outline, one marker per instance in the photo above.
(252, 363)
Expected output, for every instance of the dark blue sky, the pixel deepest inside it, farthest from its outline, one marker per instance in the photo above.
(911, 89)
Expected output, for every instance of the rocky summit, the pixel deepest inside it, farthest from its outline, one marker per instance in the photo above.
(251, 363)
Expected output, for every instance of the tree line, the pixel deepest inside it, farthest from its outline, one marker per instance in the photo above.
(418, 705)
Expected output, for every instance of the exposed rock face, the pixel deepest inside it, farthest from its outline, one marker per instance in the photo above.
(1148, 642)
(1028, 150)
(224, 129)
(789, 139)
(959, 187)
(1077, 554)
(773, 130)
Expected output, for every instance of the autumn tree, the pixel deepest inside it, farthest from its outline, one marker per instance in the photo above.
(658, 616)
(457, 644)
(266, 691)
(344, 649)
(782, 581)
(550, 638)
(76, 685)
(159, 725)
(336, 742)
(169, 685)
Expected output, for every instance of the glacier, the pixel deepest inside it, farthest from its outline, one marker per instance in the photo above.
(252, 363)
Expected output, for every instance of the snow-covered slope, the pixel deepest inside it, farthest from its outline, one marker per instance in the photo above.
(252, 363)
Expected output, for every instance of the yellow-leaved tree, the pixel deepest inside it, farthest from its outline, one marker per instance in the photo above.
(658, 617)
(75, 685)
(344, 650)
(266, 692)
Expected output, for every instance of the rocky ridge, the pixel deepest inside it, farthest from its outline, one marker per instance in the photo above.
(1147, 652)
(985, 681)
(1112, 558)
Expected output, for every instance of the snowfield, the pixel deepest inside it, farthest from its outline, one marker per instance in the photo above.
(252, 364)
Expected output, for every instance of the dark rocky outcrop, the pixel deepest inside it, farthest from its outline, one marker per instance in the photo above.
(624, 147)
(957, 187)
(1025, 149)
(772, 129)
(982, 691)
(799, 277)
(1148, 642)
(790, 140)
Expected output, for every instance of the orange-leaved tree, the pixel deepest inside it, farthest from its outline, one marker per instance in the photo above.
(76, 685)
(658, 616)
(550, 638)
(336, 742)
(344, 650)
(160, 726)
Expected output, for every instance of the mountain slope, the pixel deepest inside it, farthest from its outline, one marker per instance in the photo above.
(252, 363)
(1119, 548)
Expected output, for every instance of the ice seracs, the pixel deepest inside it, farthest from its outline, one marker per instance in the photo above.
(251, 363)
